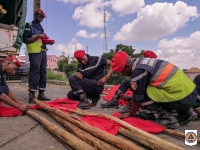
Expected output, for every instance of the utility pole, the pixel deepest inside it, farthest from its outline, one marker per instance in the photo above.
(75, 47)
(105, 37)
(87, 49)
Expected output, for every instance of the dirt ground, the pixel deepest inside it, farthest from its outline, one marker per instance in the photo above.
(24, 133)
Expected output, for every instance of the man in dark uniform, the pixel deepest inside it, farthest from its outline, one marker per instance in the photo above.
(33, 35)
(89, 80)
(8, 67)
(159, 85)
(125, 85)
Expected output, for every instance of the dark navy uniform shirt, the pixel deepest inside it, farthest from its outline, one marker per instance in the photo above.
(3, 86)
(31, 29)
(94, 69)
(140, 79)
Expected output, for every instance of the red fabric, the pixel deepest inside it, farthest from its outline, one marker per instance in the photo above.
(112, 92)
(113, 128)
(6, 111)
(41, 12)
(14, 60)
(79, 54)
(150, 54)
(66, 103)
(48, 41)
(119, 61)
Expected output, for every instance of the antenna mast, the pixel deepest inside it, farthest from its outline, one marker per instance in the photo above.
(105, 38)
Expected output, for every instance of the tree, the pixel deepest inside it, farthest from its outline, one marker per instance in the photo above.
(70, 69)
(117, 78)
(61, 63)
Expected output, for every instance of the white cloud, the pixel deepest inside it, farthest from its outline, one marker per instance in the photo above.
(68, 48)
(183, 52)
(124, 7)
(83, 33)
(75, 1)
(157, 20)
(91, 15)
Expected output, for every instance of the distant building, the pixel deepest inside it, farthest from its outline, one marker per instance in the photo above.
(192, 73)
(52, 62)
(70, 59)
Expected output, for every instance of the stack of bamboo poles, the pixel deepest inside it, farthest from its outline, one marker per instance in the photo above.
(80, 135)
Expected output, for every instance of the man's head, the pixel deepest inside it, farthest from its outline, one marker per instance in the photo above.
(121, 62)
(150, 54)
(81, 57)
(10, 65)
(39, 15)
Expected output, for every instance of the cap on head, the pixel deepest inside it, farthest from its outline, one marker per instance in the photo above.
(119, 61)
(150, 54)
(79, 54)
(14, 60)
(41, 12)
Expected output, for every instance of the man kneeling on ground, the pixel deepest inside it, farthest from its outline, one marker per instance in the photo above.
(89, 80)
(8, 67)
(158, 85)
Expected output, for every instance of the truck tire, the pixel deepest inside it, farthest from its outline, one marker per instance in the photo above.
(24, 79)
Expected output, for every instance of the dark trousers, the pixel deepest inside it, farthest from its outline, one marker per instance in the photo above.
(88, 86)
(38, 65)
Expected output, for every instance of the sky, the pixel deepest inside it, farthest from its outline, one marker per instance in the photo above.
(170, 28)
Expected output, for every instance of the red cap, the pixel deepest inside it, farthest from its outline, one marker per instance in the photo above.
(14, 60)
(41, 12)
(119, 61)
(79, 54)
(150, 54)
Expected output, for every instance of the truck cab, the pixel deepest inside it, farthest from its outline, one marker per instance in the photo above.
(12, 23)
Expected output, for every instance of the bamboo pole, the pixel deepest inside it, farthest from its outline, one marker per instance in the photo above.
(85, 136)
(160, 143)
(198, 111)
(65, 136)
(114, 140)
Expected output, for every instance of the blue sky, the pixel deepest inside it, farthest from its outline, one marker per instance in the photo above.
(169, 28)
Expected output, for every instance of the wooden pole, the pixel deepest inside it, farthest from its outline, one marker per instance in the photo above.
(65, 136)
(114, 140)
(85, 136)
(161, 143)
(178, 134)
(198, 111)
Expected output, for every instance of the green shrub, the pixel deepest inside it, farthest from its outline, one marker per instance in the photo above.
(52, 76)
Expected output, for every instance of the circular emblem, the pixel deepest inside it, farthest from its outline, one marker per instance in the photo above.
(134, 85)
(190, 137)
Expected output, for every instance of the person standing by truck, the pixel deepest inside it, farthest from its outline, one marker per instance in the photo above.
(33, 35)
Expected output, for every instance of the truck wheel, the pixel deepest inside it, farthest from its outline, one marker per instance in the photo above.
(24, 79)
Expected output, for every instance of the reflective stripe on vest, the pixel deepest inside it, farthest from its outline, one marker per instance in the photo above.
(176, 88)
(35, 47)
(163, 74)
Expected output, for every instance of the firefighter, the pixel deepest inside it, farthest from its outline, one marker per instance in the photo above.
(37, 50)
(89, 80)
(158, 85)
(8, 67)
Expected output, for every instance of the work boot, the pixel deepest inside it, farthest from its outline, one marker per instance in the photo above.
(31, 97)
(111, 104)
(42, 97)
(126, 109)
(114, 102)
(84, 103)
(95, 100)
(165, 118)
(146, 115)
(185, 117)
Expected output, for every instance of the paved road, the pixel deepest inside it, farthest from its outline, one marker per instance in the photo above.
(24, 133)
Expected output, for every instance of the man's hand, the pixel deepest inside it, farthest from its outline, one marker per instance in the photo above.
(122, 116)
(42, 35)
(102, 81)
(23, 107)
(78, 75)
